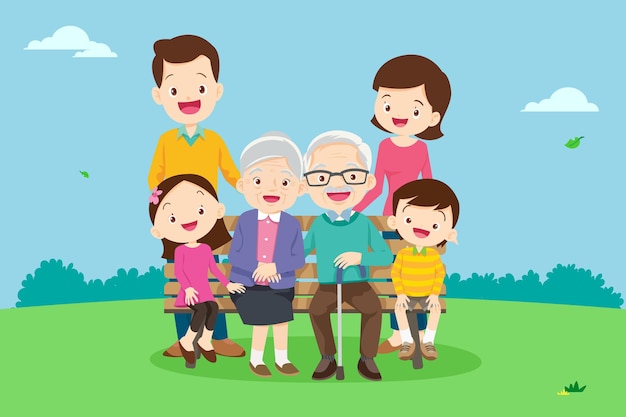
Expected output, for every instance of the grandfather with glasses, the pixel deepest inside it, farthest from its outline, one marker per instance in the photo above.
(337, 165)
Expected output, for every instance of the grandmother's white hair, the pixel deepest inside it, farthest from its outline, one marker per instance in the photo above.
(269, 146)
(339, 136)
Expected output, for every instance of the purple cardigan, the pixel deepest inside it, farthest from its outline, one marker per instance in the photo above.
(288, 253)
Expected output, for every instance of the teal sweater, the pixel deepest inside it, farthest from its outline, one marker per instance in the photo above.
(332, 239)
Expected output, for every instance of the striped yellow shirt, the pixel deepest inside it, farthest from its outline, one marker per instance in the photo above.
(174, 156)
(418, 274)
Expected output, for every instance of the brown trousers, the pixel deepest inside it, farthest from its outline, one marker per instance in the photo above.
(359, 295)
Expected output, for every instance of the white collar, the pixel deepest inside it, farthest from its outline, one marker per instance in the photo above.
(273, 217)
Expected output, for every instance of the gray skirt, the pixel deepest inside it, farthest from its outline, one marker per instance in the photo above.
(261, 305)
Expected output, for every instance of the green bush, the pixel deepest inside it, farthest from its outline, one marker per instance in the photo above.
(52, 283)
(564, 285)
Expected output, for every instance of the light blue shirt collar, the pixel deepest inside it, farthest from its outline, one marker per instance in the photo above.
(345, 215)
(199, 133)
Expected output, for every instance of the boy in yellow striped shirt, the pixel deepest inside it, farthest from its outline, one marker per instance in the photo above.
(425, 212)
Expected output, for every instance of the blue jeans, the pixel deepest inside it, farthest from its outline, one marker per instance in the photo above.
(183, 320)
(422, 321)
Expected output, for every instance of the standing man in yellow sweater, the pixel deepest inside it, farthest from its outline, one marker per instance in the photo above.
(424, 214)
(186, 70)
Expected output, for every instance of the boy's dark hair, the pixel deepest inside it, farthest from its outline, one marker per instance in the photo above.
(428, 193)
(408, 71)
(218, 236)
(184, 48)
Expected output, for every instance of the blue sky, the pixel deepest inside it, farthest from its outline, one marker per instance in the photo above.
(527, 201)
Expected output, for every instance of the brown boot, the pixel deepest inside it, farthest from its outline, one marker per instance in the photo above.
(209, 355)
(173, 351)
(367, 369)
(287, 369)
(325, 369)
(227, 347)
(428, 351)
(189, 355)
(387, 347)
(260, 370)
(406, 351)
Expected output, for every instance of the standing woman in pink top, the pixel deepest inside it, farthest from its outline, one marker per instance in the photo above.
(413, 95)
(189, 221)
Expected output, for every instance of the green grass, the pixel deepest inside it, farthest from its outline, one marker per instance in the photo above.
(496, 358)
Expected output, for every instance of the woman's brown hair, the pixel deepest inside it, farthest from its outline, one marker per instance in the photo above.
(184, 48)
(408, 71)
(218, 236)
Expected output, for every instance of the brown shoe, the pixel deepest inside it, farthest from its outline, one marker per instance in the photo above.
(287, 369)
(227, 347)
(189, 355)
(173, 351)
(368, 369)
(428, 351)
(209, 355)
(325, 369)
(406, 351)
(387, 347)
(260, 370)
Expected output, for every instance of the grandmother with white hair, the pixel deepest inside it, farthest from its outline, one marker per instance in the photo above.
(267, 246)
(337, 172)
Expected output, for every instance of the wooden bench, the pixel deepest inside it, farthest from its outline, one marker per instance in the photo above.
(306, 284)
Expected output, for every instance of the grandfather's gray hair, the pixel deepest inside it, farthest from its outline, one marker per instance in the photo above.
(269, 146)
(339, 136)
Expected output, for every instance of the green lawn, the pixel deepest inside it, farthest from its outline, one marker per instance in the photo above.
(496, 358)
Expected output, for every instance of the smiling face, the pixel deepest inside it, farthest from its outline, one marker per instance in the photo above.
(422, 226)
(189, 90)
(404, 111)
(270, 186)
(186, 214)
(337, 195)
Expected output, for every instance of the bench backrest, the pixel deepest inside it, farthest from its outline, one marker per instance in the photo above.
(306, 284)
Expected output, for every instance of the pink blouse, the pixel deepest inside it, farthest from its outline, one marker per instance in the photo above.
(400, 165)
(266, 239)
(191, 268)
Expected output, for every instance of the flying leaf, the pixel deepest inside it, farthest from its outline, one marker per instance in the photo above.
(84, 174)
(573, 143)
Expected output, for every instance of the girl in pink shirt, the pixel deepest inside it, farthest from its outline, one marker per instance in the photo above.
(188, 219)
(413, 95)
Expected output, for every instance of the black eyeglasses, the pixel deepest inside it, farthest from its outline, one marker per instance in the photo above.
(350, 176)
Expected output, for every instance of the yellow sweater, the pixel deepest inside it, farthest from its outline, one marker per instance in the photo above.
(417, 274)
(174, 156)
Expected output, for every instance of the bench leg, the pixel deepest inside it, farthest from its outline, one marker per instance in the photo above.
(195, 343)
(417, 357)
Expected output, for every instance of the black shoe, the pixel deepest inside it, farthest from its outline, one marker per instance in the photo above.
(325, 369)
(368, 369)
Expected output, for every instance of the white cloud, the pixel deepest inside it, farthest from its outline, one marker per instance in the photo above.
(73, 38)
(567, 99)
(96, 50)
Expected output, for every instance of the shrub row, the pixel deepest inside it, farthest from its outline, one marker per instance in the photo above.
(53, 283)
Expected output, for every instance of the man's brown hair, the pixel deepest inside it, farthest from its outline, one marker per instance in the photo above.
(218, 236)
(184, 48)
(408, 71)
(428, 193)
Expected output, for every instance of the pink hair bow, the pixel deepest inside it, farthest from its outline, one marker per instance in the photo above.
(154, 197)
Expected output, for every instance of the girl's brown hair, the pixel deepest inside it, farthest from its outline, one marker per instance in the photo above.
(184, 48)
(408, 71)
(218, 236)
